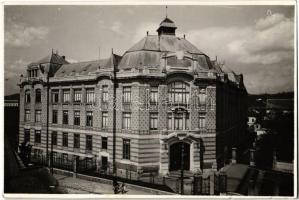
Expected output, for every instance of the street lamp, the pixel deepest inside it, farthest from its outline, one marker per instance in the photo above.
(182, 168)
(114, 80)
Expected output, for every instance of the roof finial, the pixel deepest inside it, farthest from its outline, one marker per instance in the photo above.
(166, 11)
(99, 53)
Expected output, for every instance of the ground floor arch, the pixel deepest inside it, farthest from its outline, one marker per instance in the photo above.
(179, 156)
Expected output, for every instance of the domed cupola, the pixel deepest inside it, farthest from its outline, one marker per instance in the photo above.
(167, 27)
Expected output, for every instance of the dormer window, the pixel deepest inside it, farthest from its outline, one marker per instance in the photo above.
(33, 73)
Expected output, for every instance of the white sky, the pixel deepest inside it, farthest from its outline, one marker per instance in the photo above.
(249, 39)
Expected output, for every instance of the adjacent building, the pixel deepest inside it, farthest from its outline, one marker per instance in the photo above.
(169, 97)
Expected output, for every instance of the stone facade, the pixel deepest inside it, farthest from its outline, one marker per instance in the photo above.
(207, 121)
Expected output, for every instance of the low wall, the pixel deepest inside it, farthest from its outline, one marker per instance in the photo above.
(284, 167)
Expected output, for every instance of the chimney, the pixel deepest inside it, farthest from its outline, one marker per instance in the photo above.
(147, 33)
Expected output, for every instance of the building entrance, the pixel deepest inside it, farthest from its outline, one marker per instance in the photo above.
(175, 157)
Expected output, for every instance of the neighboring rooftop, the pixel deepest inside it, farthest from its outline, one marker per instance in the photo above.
(84, 68)
(52, 58)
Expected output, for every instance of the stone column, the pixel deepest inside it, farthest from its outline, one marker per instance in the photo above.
(72, 95)
(172, 121)
(212, 178)
(75, 167)
(164, 160)
(192, 157)
(60, 95)
(83, 98)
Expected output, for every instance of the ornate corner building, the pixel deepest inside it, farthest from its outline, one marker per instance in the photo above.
(170, 97)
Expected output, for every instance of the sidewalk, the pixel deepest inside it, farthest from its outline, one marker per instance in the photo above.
(80, 186)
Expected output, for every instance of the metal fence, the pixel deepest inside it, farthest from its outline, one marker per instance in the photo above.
(83, 165)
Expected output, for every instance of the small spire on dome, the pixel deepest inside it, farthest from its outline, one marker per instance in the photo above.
(166, 11)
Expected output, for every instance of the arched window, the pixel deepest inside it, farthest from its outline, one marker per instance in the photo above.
(178, 92)
(38, 96)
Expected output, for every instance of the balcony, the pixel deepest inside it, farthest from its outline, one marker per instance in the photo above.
(195, 131)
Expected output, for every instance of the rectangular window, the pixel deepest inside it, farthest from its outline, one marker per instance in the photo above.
(54, 138)
(89, 118)
(65, 117)
(104, 142)
(127, 94)
(27, 135)
(126, 149)
(65, 139)
(187, 116)
(37, 115)
(37, 136)
(105, 93)
(54, 116)
(77, 118)
(154, 121)
(126, 120)
(89, 142)
(170, 121)
(38, 96)
(202, 122)
(55, 96)
(27, 115)
(90, 98)
(27, 96)
(66, 96)
(178, 121)
(104, 119)
(77, 96)
(154, 95)
(76, 141)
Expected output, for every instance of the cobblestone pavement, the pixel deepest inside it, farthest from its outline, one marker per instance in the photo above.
(80, 186)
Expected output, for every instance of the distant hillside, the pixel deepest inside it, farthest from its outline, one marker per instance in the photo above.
(12, 97)
(260, 99)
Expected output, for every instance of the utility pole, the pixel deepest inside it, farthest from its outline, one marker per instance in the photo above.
(114, 123)
(47, 123)
(182, 168)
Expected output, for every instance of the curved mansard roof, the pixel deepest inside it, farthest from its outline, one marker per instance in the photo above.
(149, 51)
(162, 52)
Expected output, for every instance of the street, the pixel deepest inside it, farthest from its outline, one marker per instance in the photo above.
(79, 186)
